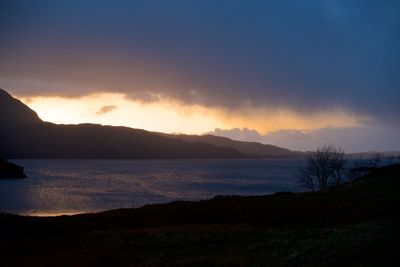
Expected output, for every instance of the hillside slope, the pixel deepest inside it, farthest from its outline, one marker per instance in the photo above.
(357, 224)
(250, 148)
(24, 135)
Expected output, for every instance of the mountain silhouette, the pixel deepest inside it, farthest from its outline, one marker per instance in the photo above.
(252, 149)
(10, 170)
(24, 135)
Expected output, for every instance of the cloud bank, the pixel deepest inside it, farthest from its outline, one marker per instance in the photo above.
(306, 57)
(351, 139)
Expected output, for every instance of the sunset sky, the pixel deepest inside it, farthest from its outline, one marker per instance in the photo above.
(298, 74)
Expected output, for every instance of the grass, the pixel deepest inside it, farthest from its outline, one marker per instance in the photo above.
(357, 224)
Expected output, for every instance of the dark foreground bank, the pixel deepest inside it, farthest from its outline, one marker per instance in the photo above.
(10, 170)
(353, 225)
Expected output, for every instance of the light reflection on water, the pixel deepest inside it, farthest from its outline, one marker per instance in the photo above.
(57, 187)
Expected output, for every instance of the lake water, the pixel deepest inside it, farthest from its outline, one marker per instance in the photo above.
(73, 186)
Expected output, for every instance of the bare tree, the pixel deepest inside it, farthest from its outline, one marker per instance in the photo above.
(324, 167)
(307, 179)
(338, 165)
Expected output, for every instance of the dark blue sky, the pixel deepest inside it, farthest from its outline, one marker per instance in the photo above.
(306, 55)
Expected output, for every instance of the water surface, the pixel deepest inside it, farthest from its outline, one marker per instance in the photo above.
(74, 186)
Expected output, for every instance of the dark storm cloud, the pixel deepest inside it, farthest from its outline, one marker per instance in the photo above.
(106, 109)
(306, 55)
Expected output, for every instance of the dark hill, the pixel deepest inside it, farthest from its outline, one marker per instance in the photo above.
(253, 149)
(14, 112)
(24, 135)
(10, 170)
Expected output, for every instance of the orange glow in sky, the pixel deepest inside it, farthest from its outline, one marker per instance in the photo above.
(171, 116)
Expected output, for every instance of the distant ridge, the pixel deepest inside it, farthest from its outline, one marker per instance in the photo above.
(253, 149)
(24, 135)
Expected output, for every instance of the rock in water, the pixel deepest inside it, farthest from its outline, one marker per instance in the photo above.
(10, 170)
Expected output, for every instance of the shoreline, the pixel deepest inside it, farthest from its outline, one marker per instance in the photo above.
(356, 224)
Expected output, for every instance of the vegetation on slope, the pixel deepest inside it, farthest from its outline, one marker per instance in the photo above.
(356, 224)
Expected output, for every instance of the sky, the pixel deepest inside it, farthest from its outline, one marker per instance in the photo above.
(298, 74)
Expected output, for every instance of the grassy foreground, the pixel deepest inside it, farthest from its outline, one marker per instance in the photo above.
(357, 224)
